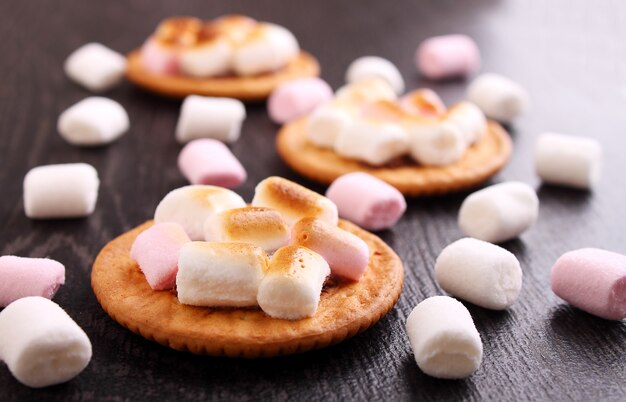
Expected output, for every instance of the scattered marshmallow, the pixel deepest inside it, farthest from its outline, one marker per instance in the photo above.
(423, 102)
(263, 227)
(190, 206)
(366, 90)
(498, 97)
(207, 117)
(367, 201)
(327, 122)
(435, 143)
(156, 252)
(208, 161)
(220, 274)
(443, 337)
(346, 254)
(447, 56)
(500, 212)
(41, 344)
(292, 286)
(293, 201)
(373, 142)
(479, 272)
(469, 119)
(296, 98)
(268, 47)
(568, 161)
(60, 191)
(373, 66)
(593, 280)
(21, 277)
(96, 67)
(93, 121)
(210, 56)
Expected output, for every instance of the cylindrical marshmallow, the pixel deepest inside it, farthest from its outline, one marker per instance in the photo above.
(208, 161)
(95, 67)
(207, 117)
(41, 344)
(21, 277)
(293, 201)
(469, 119)
(156, 252)
(60, 191)
(498, 97)
(447, 56)
(367, 201)
(568, 161)
(373, 142)
(210, 56)
(268, 47)
(500, 212)
(479, 272)
(346, 254)
(159, 58)
(220, 274)
(296, 98)
(263, 227)
(292, 286)
(190, 206)
(435, 144)
(373, 66)
(423, 102)
(93, 121)
(366, 90)
(327, 122)
(443, 337)
(593, 280)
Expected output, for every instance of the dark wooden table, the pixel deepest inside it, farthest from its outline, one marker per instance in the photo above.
(571, 56)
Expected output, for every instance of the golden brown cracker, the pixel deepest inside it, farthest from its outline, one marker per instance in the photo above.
(345, 309)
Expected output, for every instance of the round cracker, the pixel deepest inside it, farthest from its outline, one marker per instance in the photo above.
(481, 161)
(345, 309)
(250, 88)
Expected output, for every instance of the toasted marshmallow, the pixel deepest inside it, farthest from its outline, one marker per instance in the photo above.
(235, 28)
(159, 58)
(95, 67)
(366, 90)
(327, 121)
(210, 56)
(373, 142)
(346, 254)
(469, 119)
(220, 274)
(93, 121)
(373, 66)
(293, 283)
(190, 206)
(268, 47)
(436, 144)
(293, 201)
(423, 102)
(210, 117)
(263, 227)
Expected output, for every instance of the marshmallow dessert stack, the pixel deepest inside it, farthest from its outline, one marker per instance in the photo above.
(286, 261)
(230, 55)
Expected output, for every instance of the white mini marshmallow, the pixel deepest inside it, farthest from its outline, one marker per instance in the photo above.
(207, 117)
(373, 142)
(366, 90)
(498, 97)
(436, 144)
(293, 283)
(191, 206)
(500, 212)
(373, 66)
(469, 119)
(41, 344)
(268, 47)
(93, 121)
(327, 122)
(207, 59)
(96, 67)
(220, 274)
(443, 337)
(479, 272)
(568, 161)
(60, 191)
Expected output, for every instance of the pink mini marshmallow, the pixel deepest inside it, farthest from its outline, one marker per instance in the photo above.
(447, 56)
(593, 280)
(22, 277)
(367, 201)
(156, 252)
(159, 59)
(346, 254)
(208, 161)
(297, 98)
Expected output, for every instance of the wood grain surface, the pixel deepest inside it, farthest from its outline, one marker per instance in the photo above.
(571, 56)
